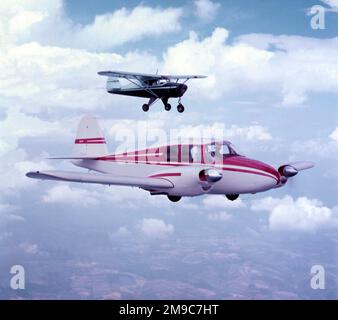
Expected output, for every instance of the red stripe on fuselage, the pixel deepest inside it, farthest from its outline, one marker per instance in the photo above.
(90, 141)
(161, 175)
(239, 161)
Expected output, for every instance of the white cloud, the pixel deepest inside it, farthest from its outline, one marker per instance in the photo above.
(156, 228)
(13, 167)
(47, 22)
(17, 125)
(334, 135)
(126, 25)
(70, 195)
(254, 132)
(314, 148)
(219, 216)
(43, 77)
(7, 213)
(29, 248)
(300, 214)
(333, 4)
(221, 202)
(256, 63)
(206, 10)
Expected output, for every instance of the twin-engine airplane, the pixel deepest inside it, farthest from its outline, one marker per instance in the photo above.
(152, 86)
(182, 170)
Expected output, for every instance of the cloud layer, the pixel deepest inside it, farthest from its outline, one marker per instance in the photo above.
(296, 214)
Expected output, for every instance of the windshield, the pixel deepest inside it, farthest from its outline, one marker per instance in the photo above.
(217, 151)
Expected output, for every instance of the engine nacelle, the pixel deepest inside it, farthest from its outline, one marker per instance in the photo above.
(189, 181)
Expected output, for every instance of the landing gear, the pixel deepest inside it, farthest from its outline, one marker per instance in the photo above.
(174, 198)
(167, 107)
(145, 107)
(232, 197)
(180, 108)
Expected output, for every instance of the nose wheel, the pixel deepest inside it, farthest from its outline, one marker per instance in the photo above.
(167, 107)
(180, 108)
(145, 107)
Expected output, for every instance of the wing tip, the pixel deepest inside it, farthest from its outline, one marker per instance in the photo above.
(32, 174)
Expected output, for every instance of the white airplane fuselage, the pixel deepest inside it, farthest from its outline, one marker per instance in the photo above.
(240, 175)
(179, 170)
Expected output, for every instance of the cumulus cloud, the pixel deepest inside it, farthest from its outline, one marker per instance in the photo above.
(206, 10)
(13, 167)
(315, 148)
(334, 135)
(156, 228)
(70, 195)
(126, 25)
(332, 4)
(47, 22)
(45, 77)
(219, 216)
(258, 63)
(8, 213)
(296, 214)
(29, 248)
(221, 202)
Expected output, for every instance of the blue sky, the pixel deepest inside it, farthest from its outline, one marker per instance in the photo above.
(272, 87)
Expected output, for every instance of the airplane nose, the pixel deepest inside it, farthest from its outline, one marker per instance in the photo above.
(263, 170)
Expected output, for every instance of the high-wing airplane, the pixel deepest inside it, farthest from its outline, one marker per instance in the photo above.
(152, 86)
(178, 170)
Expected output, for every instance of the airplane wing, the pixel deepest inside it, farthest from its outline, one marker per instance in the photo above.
(145, 77)
(182, 77)
(130, 75)
(145, 183)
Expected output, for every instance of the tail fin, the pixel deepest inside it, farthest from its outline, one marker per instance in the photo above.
(89, 141)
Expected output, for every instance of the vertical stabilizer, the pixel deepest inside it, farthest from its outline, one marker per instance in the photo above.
(89, 141)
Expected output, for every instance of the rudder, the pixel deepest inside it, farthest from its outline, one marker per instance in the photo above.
(89, 141)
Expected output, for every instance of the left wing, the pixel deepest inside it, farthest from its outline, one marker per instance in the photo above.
(145, 77)
(130, 75)
(145, 183)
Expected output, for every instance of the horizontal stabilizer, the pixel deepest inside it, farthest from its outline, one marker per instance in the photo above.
(145, 183)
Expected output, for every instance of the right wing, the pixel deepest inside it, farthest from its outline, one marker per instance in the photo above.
(145, 183)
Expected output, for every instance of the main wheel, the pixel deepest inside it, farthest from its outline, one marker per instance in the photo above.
(145, 107)
(167, 107)
(180, 108)
(174, 198)
(232, 197)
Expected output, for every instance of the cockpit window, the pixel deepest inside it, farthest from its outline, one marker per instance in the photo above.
(217, 151)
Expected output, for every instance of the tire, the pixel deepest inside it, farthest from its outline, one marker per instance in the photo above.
(145, 107)
(180, 108)
(174, 198)
(167, 107)
(232, 197)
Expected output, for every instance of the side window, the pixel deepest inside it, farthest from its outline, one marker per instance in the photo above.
(172, 154)
(210, 153)
(185, 153)
(196, 154)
